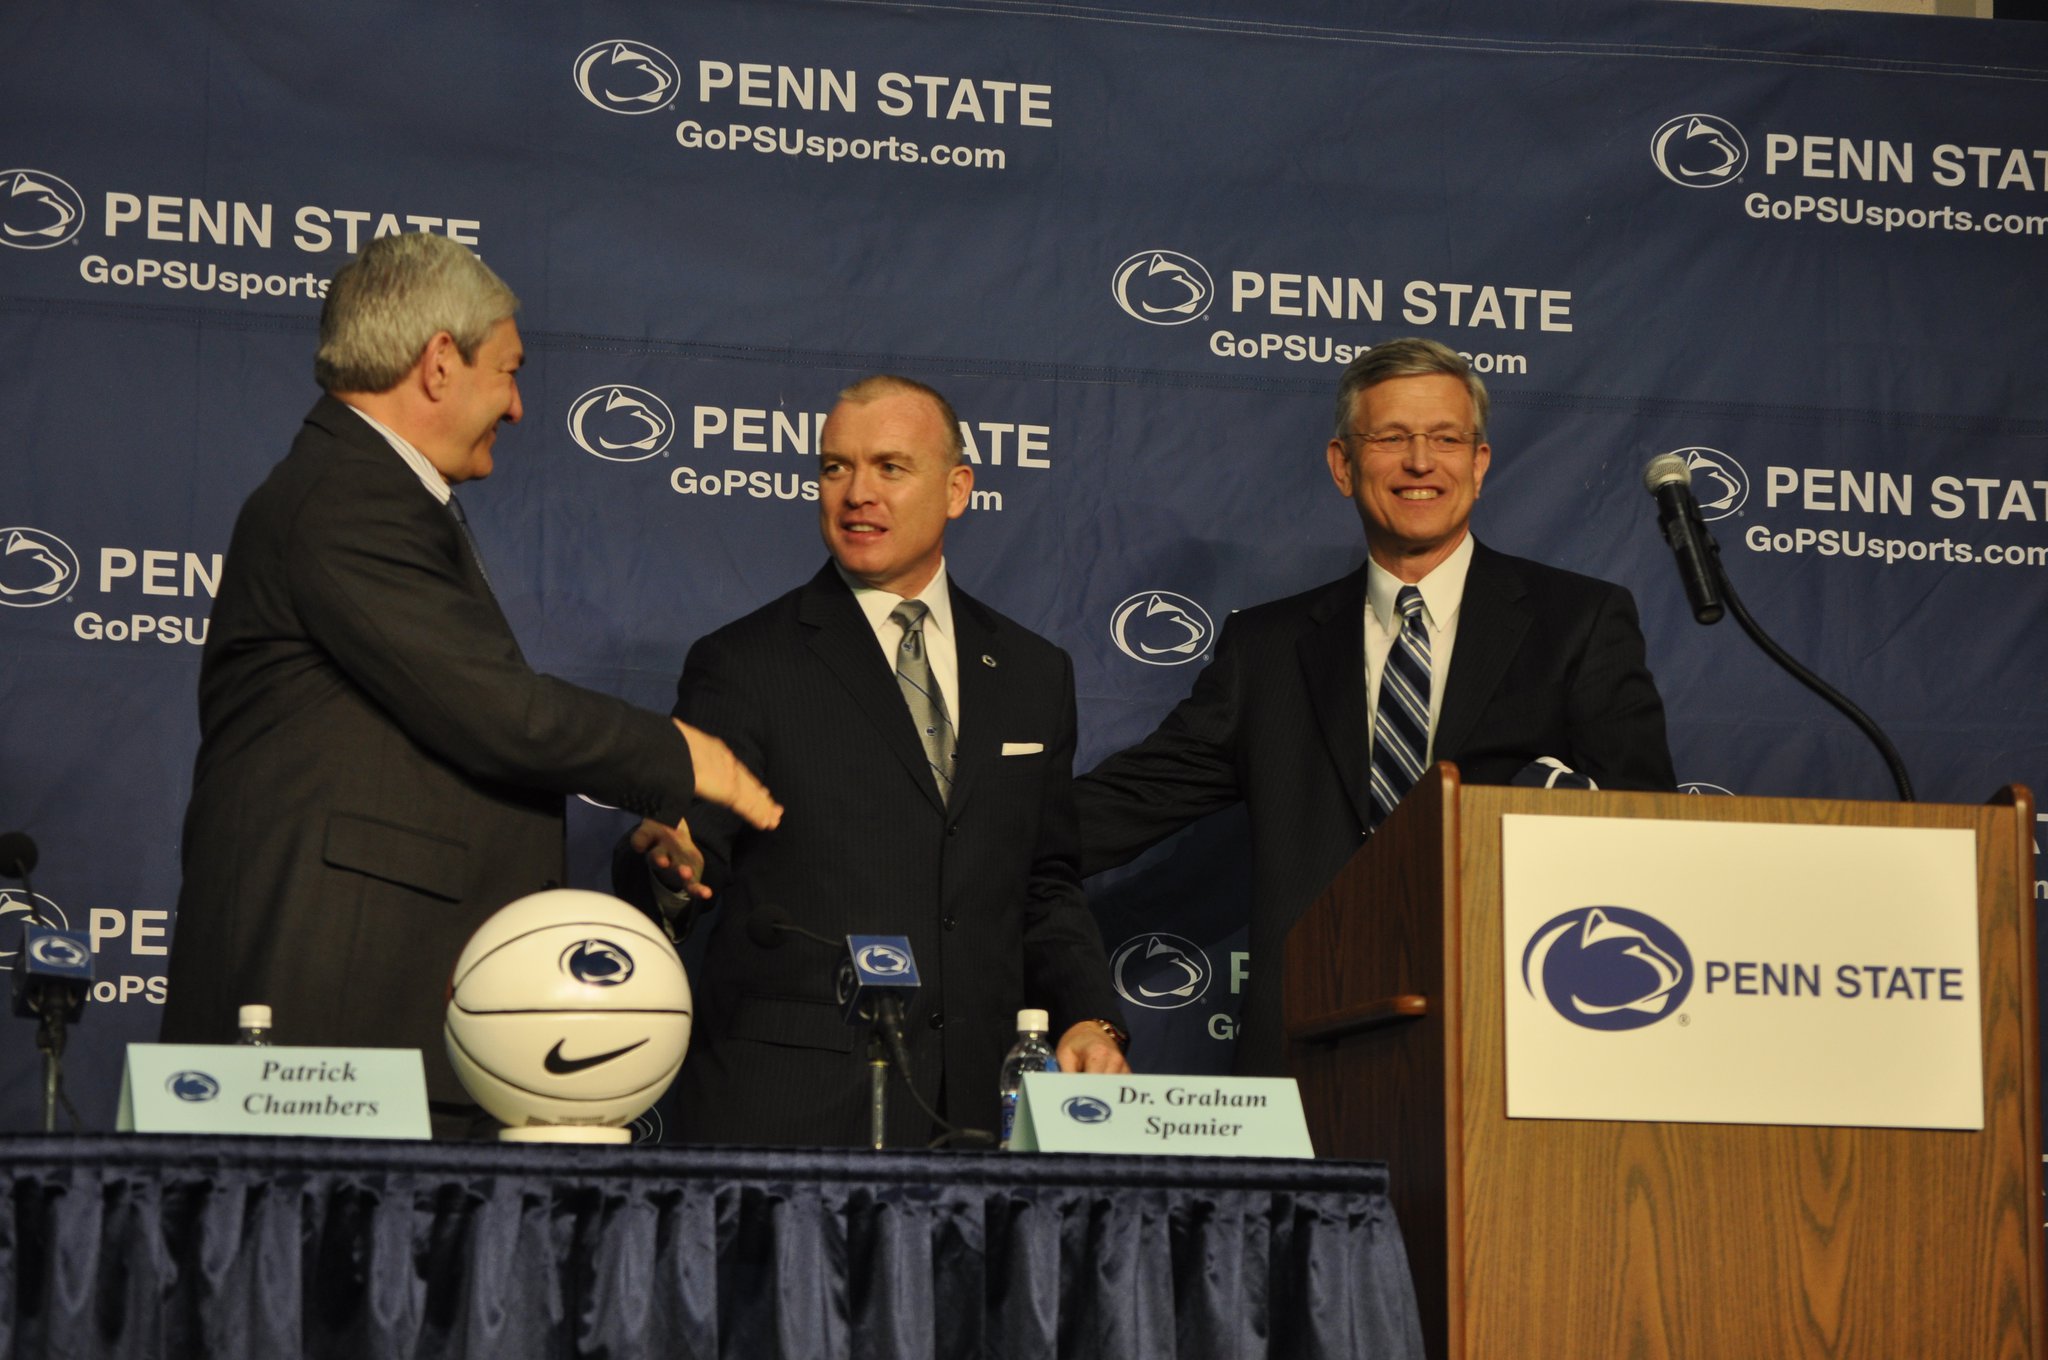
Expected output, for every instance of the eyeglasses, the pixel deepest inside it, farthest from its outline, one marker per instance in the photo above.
(1439, 441)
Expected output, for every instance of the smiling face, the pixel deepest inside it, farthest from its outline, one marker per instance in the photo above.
(457, 428)
(1415, 501)
(887, 484)
(486, 394)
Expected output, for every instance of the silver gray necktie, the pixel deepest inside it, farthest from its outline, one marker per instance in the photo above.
(921, 692)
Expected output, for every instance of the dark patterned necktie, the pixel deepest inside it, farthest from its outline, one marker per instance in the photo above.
(921, 692)
(1400, 725)
(469, 540)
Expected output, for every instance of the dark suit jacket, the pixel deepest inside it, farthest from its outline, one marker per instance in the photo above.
(1547, 663)
(379, 769)
(987, 887)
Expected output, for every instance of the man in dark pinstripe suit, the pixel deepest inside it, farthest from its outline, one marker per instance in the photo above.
(954, 827)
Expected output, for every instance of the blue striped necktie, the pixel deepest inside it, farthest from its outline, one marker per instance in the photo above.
(921, 692)
(1400, 725)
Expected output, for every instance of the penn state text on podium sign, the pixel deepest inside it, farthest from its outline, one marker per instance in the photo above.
(1647, 1238)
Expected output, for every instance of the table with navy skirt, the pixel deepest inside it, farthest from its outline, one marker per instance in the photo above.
(157, 1246)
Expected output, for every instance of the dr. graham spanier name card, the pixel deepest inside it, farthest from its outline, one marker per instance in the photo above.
(1183, 1116)
(1741, 973)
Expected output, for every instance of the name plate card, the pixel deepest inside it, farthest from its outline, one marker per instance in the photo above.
(1741, 973)
(1181, 1116)
(294, 1092)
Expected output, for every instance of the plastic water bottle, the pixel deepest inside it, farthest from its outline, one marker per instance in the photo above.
(252, 1025)
(1032, 1052)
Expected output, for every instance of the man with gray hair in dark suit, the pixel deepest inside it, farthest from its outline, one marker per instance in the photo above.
(379, 769)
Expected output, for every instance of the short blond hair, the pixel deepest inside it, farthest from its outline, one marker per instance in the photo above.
(878, 385)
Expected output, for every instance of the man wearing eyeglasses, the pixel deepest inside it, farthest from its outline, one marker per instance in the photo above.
(1319, 711)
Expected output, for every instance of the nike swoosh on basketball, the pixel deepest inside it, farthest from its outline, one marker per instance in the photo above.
(562, 1066)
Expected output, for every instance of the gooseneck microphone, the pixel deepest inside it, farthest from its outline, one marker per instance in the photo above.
(1678, 514)
(769, 927)
(1709, 590)
(873, 977)
(863, 994)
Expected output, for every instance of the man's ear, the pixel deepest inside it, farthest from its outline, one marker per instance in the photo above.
(959, 488)
(1340, 465)
(437, 364)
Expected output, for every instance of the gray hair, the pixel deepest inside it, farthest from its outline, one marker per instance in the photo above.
(391, 299)
(878, 385)
(1409, 357)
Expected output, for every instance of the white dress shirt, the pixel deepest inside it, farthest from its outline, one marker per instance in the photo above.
(939, 647)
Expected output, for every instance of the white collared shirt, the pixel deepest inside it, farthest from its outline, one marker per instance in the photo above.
(1443, 591)
(429, 475)
(940, 649)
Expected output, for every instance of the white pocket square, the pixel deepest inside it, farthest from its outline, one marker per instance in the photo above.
(1022, 748)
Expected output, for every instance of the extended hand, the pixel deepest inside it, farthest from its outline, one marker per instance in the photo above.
(722, 779)
(1086, 1048)
(671, 848)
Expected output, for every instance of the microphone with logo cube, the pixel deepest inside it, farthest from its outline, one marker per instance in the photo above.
(52, 974)
(874, 980)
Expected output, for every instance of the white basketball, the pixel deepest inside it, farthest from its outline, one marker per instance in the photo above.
(568, 1007)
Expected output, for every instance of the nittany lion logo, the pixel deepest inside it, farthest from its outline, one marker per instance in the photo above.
(192, 1086)
(881, 960)
(1699, 151)
(1720, 485)
(1086, 1110)
(36, 568)
(1608, 968)
(620, 76)
(599, 963)
(58, 951)
(1161, 628)
(1163, 287)
(1160, 972)
(15, 912)
(38, 210)
(621, 424)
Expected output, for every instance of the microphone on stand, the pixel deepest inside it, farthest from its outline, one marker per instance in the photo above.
(1678, 514)
(52, 975)
(875, 979)
(1710, 592)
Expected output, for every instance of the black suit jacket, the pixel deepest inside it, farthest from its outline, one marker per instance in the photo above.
(379, 769)
(1547, 663)
(986, 886)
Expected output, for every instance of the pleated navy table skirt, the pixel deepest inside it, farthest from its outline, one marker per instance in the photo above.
(130, 1246)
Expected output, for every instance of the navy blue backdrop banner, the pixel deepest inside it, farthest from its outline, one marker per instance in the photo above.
(1804, 250)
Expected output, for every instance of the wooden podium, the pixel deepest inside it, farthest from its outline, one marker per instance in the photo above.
(1582, 1240)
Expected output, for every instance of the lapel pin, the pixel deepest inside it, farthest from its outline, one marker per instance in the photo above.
(988, 660)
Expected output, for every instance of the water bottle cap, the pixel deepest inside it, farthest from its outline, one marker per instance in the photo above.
(1035, 1022)
(253, 1017)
